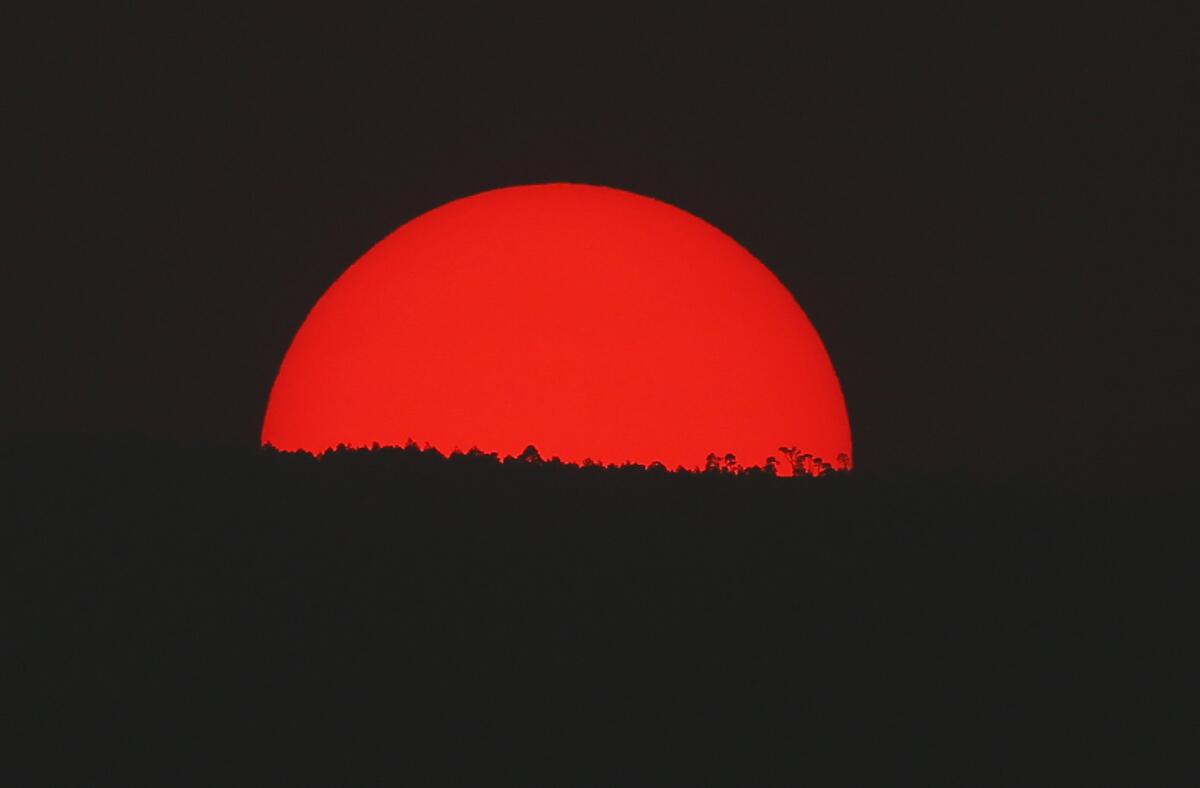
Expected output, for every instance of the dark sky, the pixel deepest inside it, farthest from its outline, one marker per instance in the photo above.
(990, 218)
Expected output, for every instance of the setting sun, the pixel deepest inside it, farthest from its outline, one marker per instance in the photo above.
(587, 321)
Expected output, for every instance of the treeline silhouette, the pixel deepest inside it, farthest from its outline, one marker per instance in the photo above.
(181, 615)
(796, 462)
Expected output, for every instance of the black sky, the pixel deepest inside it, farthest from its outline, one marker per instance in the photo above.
(990, 217)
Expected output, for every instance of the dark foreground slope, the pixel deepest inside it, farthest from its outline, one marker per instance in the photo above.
(179, 617)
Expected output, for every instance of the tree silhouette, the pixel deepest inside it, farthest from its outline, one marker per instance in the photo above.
(530, 455)
(770, 467)
(798, 461)
(727, 464)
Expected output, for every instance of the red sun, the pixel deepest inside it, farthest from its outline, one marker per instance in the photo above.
(587, 321)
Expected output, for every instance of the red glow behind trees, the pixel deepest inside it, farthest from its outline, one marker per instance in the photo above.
(587, 321)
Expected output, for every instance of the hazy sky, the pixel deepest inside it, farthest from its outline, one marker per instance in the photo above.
(989, 220)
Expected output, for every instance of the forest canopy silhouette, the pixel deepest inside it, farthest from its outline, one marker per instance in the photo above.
(796, 462)
(372, 615)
